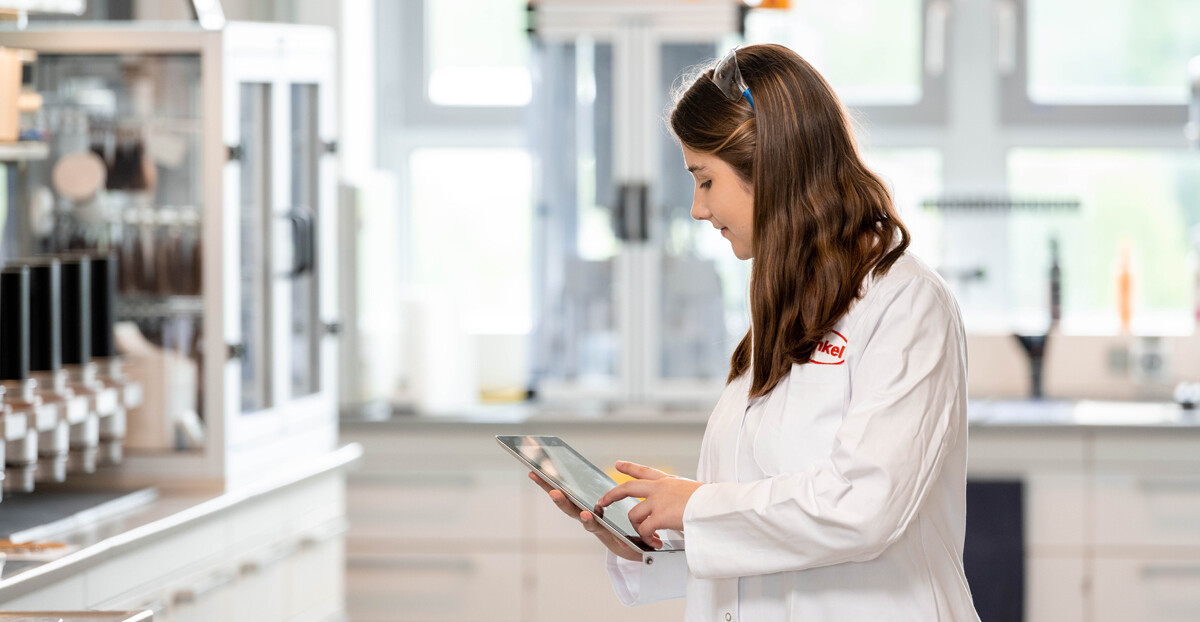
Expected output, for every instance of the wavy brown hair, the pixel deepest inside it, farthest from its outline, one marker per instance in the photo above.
(822, 220)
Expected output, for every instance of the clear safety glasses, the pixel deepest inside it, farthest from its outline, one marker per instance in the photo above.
(728, 78)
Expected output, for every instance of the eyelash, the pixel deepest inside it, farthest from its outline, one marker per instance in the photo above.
(706, 184)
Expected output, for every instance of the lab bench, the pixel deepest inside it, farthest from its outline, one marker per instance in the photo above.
(445, 526)
(271, 550)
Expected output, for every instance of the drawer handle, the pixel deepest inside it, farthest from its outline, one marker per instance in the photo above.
(269, 557)
(457, 480)
(459, 565)
(197, 590)
(1171, 570)
(1166, 484)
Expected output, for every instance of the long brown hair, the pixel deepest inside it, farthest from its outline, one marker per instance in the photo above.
(822, 220)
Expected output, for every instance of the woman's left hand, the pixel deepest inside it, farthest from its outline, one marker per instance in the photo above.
(665, 496)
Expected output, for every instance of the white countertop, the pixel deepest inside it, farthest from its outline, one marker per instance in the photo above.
(982, 413)
(166, 514)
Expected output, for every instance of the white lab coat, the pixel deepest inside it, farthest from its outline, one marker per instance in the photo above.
(840, 495)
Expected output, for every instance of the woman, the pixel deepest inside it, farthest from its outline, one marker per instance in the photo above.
(832, 475)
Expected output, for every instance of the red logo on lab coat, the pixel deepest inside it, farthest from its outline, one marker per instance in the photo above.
(831, 350)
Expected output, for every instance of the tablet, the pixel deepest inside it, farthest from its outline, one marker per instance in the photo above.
(559, 465)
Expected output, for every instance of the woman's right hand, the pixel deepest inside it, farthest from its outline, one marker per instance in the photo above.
(590, 524)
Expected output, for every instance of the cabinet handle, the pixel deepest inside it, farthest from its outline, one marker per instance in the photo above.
(197, 590)
(304, 240)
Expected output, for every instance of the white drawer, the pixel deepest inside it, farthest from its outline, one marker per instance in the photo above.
(579, 583)
(150, 563)
(437, 505)
(315, 588)
(1147, 508)
(1054, 509)
(477, 587)
(213, 604)
(261, 589)
(1054, 588)
(1147, 590)
(1176, 448)
(1005, 452)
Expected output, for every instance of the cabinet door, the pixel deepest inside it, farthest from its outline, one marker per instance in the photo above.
(281, 197)
(1147, 590)
(431, 506)
(466, 587)
(304, 287)
(260, 592)
(1054, 588)
(254, 191)
(1147, 507)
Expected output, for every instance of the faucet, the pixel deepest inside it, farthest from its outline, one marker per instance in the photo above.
(1035, 350)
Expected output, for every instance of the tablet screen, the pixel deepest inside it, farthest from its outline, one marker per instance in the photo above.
(557, 461)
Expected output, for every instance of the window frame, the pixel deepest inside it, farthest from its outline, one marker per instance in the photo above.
(932, 108)
(1012, 66)
(410, 51)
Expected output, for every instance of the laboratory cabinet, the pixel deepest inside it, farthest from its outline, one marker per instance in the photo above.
(275, 556)
(216, 193)
(446, 527)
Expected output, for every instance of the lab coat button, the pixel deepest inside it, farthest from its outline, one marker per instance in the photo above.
(728, 616)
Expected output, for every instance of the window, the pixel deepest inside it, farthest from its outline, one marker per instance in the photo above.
(1148, 199)
(477, 53)
(883, 57)
(475, 237)
(1136, 51)
(913, 176)
(1131, 68)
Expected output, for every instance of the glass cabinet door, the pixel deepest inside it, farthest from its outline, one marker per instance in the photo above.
(637, 302)
(304, 327)
(254, 210)
(702, 298)
(578, 341)
(124, 176)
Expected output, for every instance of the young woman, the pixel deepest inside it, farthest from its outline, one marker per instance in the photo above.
(832, 474)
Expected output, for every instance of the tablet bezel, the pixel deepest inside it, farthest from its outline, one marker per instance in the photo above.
(635, 542)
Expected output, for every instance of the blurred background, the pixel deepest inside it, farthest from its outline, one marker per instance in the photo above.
(330, 248)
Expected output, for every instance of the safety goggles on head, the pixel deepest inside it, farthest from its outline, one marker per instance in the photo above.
(728, 78)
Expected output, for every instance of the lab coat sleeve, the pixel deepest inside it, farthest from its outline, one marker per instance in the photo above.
(639, 583)
(908, 399)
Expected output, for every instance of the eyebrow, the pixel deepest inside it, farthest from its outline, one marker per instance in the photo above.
(695, 167)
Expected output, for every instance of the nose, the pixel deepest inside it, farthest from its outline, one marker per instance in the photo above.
(699, 210)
